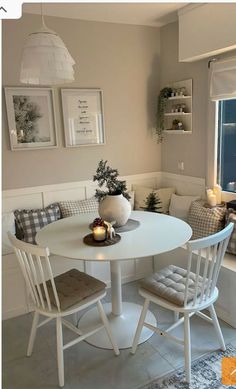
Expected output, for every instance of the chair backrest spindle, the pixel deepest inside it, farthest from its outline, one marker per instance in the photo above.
(188, 276)
(199, 257)
(208, 265)
(35, 266)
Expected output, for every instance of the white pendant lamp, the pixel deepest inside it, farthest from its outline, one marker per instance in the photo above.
(45, 59)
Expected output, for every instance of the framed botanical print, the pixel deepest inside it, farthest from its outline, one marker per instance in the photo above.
(83, 117)
(31, 118)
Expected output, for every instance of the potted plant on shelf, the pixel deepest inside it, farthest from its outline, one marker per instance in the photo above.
(113, 201)
(177, 125)
(164, 94)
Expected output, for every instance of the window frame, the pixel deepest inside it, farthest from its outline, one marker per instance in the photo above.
(212, 140)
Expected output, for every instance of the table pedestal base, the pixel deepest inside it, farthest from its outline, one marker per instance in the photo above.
(123, 326)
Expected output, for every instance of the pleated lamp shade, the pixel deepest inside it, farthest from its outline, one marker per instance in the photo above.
(45, 59)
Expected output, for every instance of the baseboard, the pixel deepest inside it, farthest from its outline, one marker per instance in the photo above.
(225, 315)
(14, 312)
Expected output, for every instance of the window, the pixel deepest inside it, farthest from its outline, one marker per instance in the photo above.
(226, 151)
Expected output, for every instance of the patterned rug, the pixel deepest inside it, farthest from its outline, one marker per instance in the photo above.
(206, 374)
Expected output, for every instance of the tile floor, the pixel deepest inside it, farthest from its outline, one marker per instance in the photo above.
(87, 367)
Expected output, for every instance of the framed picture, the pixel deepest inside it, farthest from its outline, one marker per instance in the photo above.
(31, 118)
(83, 117)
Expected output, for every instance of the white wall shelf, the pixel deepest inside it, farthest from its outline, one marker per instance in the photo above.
(182, 103)
(177, 114)
(179, 97)
(179, 132)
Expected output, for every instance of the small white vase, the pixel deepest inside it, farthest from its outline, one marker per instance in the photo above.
(115, 208)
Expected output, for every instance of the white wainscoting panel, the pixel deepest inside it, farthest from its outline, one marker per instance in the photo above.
(184, 185)
(22, 201)
(77, 193)
(14, 294)
(144, 267)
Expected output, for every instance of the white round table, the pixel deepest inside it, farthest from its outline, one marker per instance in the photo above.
(157, 233)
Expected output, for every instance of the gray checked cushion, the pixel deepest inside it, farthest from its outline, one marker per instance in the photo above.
(71, 208)
(205, 221)
(73, 287)
(231, 217)
(30, 221)
(169, 284)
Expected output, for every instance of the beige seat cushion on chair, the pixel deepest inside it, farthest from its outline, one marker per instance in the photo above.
(73, 287)
(169, 284)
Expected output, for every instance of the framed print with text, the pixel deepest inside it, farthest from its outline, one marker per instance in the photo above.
(83, 117)
(31, 118)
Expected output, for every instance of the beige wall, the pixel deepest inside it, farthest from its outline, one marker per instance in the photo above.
(191, 149)
(122, 60)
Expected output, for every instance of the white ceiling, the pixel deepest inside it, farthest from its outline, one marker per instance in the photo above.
(147, 14)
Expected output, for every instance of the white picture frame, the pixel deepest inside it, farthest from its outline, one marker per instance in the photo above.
(83, 117)
(31, 118)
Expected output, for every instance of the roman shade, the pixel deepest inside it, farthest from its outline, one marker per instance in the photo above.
(223, 79)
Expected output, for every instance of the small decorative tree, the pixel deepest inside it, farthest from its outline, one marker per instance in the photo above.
(161, 105)
(152, 203)
(106, 176)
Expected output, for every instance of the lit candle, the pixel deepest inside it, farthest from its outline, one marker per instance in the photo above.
(99, 233)
(212, 200)
(217, 191)
(209, 192)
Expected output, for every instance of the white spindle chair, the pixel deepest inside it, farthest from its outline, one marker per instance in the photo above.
(204, 292)
(35, 265)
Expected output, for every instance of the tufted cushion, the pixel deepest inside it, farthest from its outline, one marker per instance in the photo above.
(71, 208)
(231, 217)
(205, 221)
(169, 284)
(73, 287)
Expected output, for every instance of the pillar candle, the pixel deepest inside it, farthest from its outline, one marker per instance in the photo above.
(209, 192)
(212, 200)
(217, 192)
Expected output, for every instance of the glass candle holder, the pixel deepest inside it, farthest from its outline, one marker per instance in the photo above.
(99, 233)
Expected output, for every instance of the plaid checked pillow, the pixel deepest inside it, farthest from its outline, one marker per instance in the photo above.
(205, 221)
(71, 208)
(231, 217)
(30, 221)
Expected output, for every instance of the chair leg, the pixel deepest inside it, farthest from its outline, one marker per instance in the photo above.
(176, 316)
(33, 333)
(107, 327)
(187, 347)
(76, 319)
(60, 358)
(217, 327)
(140, 326)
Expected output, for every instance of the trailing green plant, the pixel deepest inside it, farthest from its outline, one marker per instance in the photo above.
(108, 177)
(152, 203)
(161, 106)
